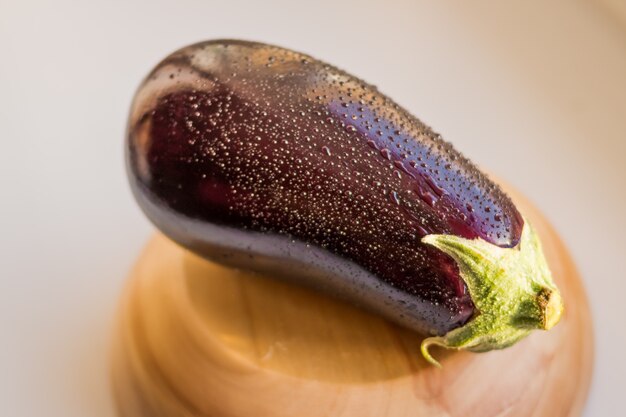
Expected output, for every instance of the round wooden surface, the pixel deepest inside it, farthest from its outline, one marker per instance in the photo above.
(198, 339)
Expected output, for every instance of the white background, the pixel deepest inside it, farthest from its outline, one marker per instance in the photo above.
(534, 91)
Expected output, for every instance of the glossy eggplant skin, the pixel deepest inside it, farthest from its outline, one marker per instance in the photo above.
(268, 159)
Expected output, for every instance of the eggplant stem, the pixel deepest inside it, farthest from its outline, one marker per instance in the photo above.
(512, 290)
(426, 344)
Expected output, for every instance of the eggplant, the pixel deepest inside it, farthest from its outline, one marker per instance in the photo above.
(267, 159)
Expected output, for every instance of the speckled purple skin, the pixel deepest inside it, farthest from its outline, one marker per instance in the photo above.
(268, 159)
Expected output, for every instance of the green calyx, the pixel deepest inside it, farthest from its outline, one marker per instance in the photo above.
(512, 290)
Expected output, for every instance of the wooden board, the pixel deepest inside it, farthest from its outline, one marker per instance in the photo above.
(197, 339)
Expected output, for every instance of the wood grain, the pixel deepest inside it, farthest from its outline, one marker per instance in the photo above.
(197, 339)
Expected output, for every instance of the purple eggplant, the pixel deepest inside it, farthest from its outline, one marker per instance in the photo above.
(268, 159)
